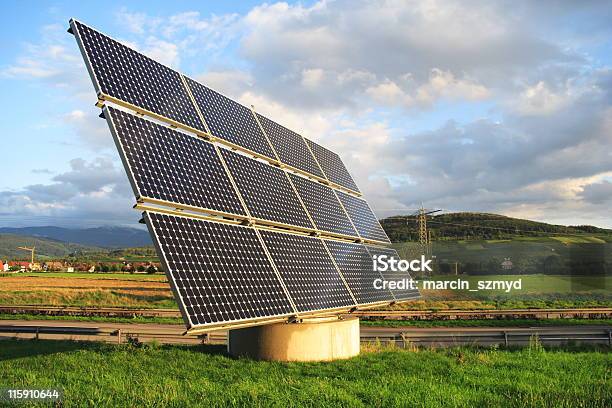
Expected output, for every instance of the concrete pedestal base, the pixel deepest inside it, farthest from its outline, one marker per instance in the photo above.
(320, 339)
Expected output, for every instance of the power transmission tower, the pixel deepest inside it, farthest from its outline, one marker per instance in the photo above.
(424, 233)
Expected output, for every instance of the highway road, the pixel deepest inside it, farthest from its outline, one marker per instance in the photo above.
(402, 336)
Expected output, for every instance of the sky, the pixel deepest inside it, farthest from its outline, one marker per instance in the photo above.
(492, 106)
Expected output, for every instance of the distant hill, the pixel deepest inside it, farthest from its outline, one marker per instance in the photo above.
(467, 225)
(45, 248)
(105, 237)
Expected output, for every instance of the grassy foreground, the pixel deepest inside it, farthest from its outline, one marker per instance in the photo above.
(93, 374)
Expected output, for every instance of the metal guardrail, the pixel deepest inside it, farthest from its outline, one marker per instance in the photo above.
(587, 313)
(501, 337)
(110, 334)
(450, 314)
(400, 337)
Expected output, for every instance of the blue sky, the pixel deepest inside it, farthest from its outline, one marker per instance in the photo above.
(483, 106)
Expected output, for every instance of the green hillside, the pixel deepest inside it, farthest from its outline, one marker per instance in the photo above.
(483, 226)
(45, 248)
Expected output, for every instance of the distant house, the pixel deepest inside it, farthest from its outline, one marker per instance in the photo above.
(54, 266)
(70, 269)
(22, 265)
(507, 264)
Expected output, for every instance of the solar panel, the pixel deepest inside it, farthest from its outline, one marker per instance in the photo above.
(168, 165)
(230, 120)
(323, 206)
(362, 217)
(219, 272)
(290, 147)
(356, 266)
(125, 74)
(223, 274)
(308, 272)
(266, 191)
(332, 166)
(400, 294)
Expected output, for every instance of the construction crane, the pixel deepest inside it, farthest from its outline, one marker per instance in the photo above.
(29, 249)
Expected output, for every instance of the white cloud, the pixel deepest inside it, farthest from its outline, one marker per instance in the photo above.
(89, 131)
(90, 192)
(443, 84)
(312, 78)
(540, 100)
(356, 76)
(230, 82)
(162, 51)
(389, 93)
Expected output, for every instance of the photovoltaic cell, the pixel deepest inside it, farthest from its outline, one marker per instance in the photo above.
(266, 190)
(128, 75)
(355, 264)
(220, 272)
(400, 294)
(290, 147)
(230, 120)
(323, 206)
(362, 217)
(172, 166)
(332, 166)
(308, 272)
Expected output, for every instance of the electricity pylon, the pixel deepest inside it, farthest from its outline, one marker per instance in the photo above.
(424, 233)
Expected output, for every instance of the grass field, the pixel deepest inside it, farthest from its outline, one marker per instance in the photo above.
(153, 291)
(120, 290)
(101, 375)
(486, 323)
(538, 291)
(158, 277)
(529, 255)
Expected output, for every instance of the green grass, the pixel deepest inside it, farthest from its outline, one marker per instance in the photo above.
(486, 323)
(537, 284)
(579, 240)
(93, 374)
(102, 298)
(100, 319)
(538, 291)
(94, 275)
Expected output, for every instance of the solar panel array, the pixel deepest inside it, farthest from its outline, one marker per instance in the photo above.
(273, 199)
(171, 166)
(230, 120)
(355, 263)
(323, 206)
(332, 166)
(207, 164)
(290, 147)
(220, 271)
(313, 281)
(122, 73)
(362, 217)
